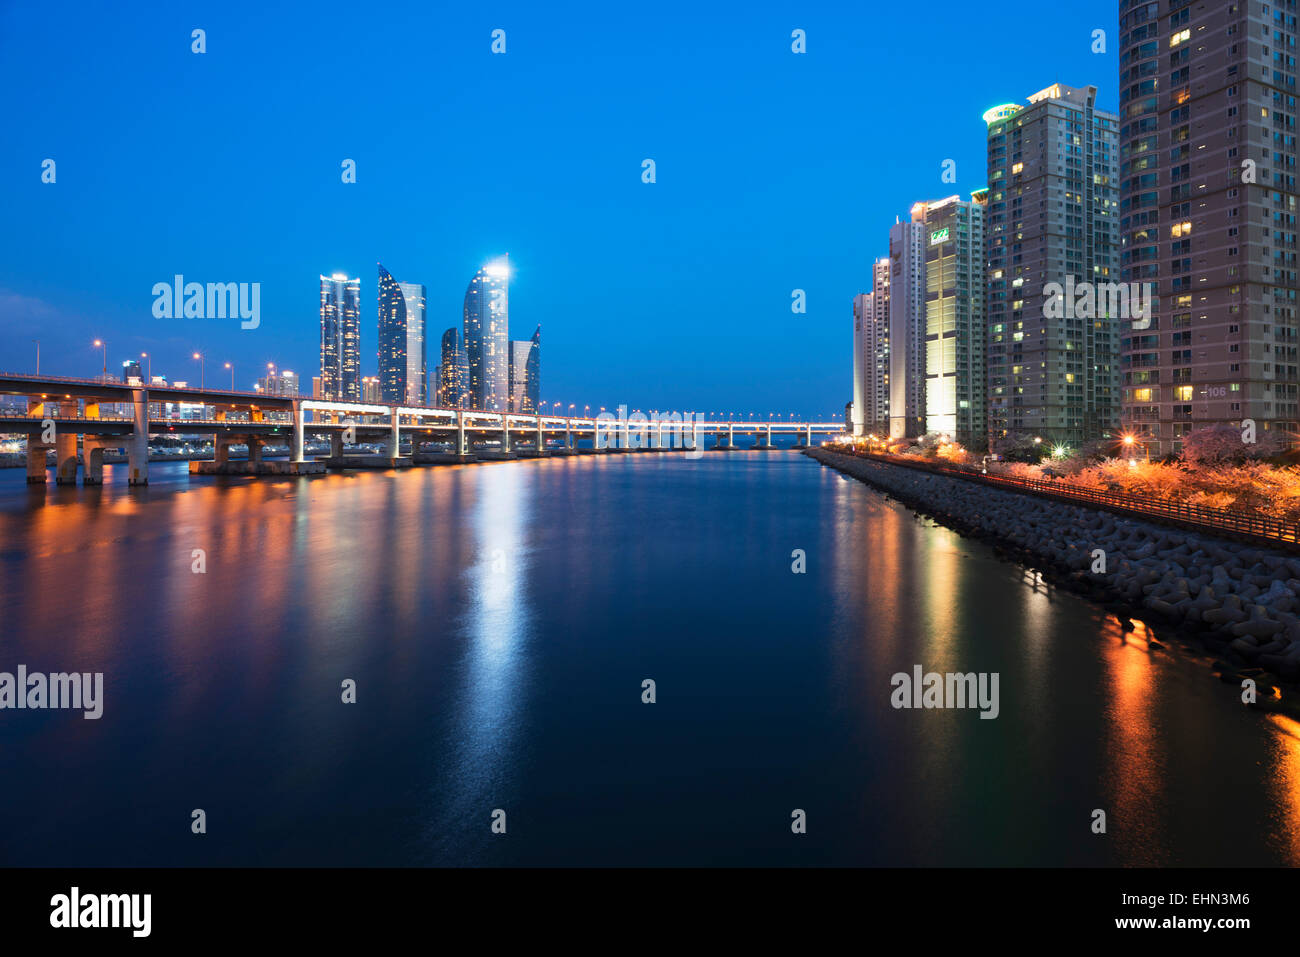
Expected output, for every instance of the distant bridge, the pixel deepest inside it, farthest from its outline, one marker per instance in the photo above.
(107, 414)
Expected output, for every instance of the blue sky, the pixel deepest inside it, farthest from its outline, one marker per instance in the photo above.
(775, 171)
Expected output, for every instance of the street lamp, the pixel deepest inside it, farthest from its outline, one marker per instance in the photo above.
(99, 343)
(231, 367)
(200, 358)
(1129, 440)
(148, 359)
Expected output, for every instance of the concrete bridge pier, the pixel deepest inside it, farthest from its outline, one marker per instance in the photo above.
(541, 436)
(65, 459)
(462, 447)
(92, 457)
(255, 446)
(36, 461)
(137, 450)
(394, 448)
(297, 447)
(336, 445)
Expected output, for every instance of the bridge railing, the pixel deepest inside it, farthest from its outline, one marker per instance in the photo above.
(58, 416)
(1245, 523)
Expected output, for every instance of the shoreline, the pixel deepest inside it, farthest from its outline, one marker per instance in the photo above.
(1235, 604)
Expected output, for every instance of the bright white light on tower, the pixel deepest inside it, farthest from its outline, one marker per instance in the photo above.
(498, 270)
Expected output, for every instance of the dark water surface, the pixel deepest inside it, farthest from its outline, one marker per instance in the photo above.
(499, 620)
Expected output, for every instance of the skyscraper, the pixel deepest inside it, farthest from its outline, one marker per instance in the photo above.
(453, 372)
(403, 370)
(871, 355)
(278, 383)
(525, 373)
(487, 320)
(907, 326)
(340, 337)
(1208, 213)
(1053, 204)
(859, 404)
(955, 318)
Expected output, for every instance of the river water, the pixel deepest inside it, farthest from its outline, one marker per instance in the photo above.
(498, 622)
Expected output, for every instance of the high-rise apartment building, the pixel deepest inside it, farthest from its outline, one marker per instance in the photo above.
(340, 337)
(1052, 228)
(1208, 214)
(871, 354)
(858, 407)
(487, 340)
(907, 327)
(453, 372)
(278, 383)
(525, 373)
(403, 368)
(955, 317)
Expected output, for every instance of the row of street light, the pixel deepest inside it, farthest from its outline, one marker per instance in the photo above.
(197, 356)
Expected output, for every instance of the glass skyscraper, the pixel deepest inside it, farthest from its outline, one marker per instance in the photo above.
(403, 370)
(487, 341)
(525, 373)
(453, 372)
(340, 337)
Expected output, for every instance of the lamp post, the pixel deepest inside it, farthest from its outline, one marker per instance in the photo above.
(1129, 441)
(231, 367)
(199, 357)
(101, 344)
(148, 359)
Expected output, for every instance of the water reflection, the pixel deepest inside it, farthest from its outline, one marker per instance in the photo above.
(498, 619)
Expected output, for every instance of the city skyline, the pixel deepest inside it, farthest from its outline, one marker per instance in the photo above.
(749, 202)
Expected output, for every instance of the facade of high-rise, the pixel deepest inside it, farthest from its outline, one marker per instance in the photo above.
(131, 370)
(857, 408)
(525, 373)
(907, 327)
(1052, 225)
(487, 337)
(871, 354)
(1208, 213)
(453, 373)
(340, 337)
(403, 368)
(278, 383)
(955, 317)
(372, 390)
(315, 387)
